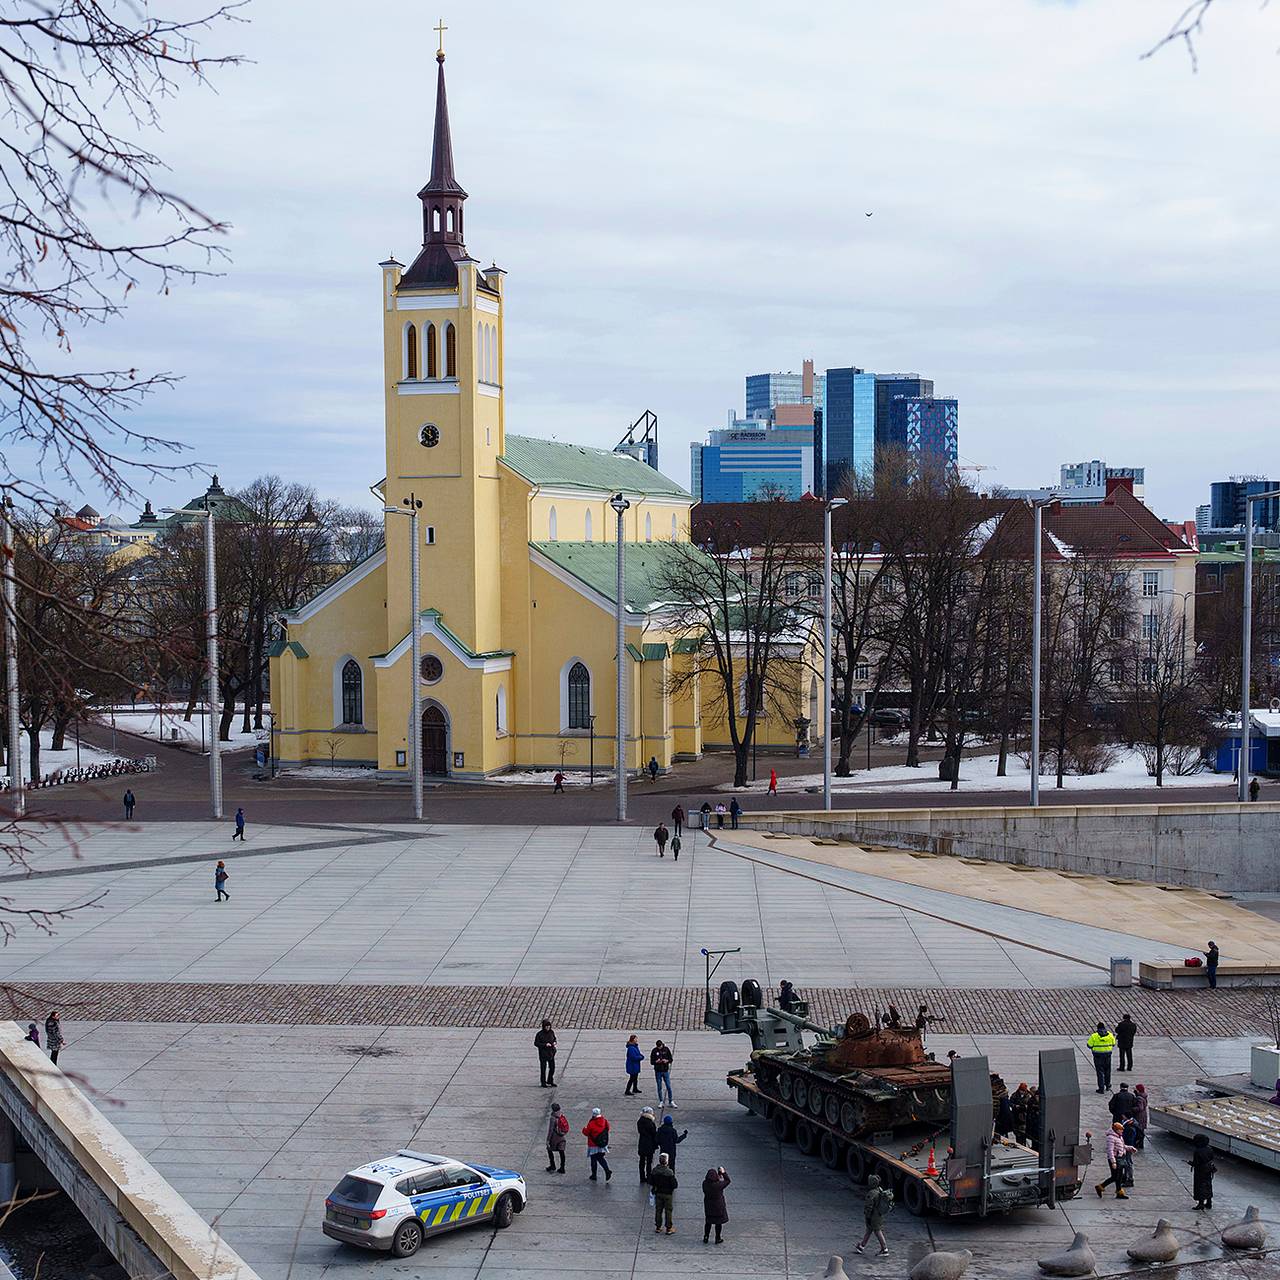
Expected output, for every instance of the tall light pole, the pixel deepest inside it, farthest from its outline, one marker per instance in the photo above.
(1246, 657)
(621, 506)
(211, 649)
(1038, 506)
(17, 795)
(414, 504)
(828, 508)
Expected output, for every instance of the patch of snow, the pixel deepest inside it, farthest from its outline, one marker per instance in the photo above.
(51, 761)
(324, 772)
(547, 777)
(159, 723)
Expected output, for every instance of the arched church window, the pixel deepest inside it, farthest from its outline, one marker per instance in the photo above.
(450, 351)
(482, 353)
(433, 359)
(552, 530)
(588, 525)
(674, 529)
(411, 350)
(435, 218)
(500, 708)
(579, 697)
(648, 527)
(352, 693)
(448, 216)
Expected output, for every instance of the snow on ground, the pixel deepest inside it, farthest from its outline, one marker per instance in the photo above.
(158, 724)
(51, 761)
(978, 773)
(547, 777)
(324, 772)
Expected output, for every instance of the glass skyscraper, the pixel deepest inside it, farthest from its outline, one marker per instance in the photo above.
(927, 429)
(765, 391)
(848, 441)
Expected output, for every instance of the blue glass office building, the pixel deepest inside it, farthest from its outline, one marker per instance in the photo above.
(927, 429)
(765, 391)
(848, 426)
(743, 466)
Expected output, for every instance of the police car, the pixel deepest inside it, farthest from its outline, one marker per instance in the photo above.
(395, 1203)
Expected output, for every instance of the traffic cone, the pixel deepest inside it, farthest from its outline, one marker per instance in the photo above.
(932, 1170)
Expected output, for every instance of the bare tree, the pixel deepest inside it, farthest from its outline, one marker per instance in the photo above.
(730, 587)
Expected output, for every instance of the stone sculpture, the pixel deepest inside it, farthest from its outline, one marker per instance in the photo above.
(835, 1269)
(1078, 1260)
(1161, 1246)
(1248, 1233)
(942, 1265)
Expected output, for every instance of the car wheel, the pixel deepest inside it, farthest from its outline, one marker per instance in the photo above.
(505, 1212)
(407, 1239)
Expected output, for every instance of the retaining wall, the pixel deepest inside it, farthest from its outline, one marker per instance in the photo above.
(1231, 847)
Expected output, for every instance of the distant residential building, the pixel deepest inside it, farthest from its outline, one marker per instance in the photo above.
(1204, 521)
(1086, 484)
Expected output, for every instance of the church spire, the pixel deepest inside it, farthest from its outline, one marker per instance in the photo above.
(442, 197)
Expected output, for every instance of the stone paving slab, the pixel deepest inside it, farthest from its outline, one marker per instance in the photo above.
(1064, 1011)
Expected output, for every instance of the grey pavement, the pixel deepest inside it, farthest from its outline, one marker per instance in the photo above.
(561, 906)
(255, 1125)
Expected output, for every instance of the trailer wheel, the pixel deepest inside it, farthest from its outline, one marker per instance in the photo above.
(800, 1092)
(850, 1119)
(829, 1150)
(783, 1129)
(817, 1103)
(855, 1165)
(806, 1137)
(888, 1175)
(786, 1086)
(831, 1109)
(915, 1197)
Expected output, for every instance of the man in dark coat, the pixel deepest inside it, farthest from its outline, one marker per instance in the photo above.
(1202, 1171)
(1123, 1105)
(677, 818)
(668, 1139)
(715, 1213)
(1211, 963)
(545, 1043)
(647, 1142)
(660, 834)
(1126, 1030)
(664, 1184)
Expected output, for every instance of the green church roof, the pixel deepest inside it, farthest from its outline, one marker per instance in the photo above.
(595, 565)
(577, 466)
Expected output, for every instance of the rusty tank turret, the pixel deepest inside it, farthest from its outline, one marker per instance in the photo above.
(864, 1078)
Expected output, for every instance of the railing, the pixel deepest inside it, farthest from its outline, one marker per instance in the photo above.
(86, 773)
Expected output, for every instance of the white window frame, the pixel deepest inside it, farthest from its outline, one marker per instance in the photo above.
(565, 731)
(337, 688)
(1150, 583)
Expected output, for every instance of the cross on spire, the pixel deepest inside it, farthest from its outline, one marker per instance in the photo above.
(440, 29)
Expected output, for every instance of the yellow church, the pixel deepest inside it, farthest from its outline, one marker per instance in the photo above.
(517, 561)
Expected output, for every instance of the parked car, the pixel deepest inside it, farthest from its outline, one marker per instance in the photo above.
(892, 718)
(393, 1204)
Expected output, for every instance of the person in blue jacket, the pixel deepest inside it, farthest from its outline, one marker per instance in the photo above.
(635, 1060)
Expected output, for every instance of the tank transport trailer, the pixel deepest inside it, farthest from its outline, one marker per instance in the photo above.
(870, 1100)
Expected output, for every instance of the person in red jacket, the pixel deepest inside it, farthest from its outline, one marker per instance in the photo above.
(596, 1132)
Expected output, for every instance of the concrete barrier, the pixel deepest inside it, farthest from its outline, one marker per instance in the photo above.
(1230, 847)
(147, 1225)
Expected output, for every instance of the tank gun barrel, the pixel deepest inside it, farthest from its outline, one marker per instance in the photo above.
(798, 1020)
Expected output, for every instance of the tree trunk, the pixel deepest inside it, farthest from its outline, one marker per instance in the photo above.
(1002, 761)
(33, 758)
(228, 715)
(1062, 750)
(59, 739)
(741, 757)
(193, 696)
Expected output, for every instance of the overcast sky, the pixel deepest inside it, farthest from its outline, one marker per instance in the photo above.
(1079, 245)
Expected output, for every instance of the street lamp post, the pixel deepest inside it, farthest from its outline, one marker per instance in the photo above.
(414, 504)
(591, 767)
(1246, 655)
(1038, 506)
(211, 651)
(17, 795)
(620, 506)
(828, 508)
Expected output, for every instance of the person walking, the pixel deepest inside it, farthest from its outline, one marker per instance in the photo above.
(677, 819)
(720, 812)
(1211, 963)
(669, 1139)
(53, 1035)
(676, 846)
(220, 875)
(557, 1137)
(545, 1043)
(1254, 788)
(735, 812)
(1123, 1104)
(1142, 1115)
(1102, 1044)
(635, 1060)
(653, 768)
(1202, 1171)
(646, 1141)
(597, 1135)
(1126, 1030)
(239, 833)
(715, 1213)
(33, 1034)
(1119, 1161)
(129, 802)
(660, 1060)
(558, 789)
(773, 782)
(663, 1183)
(660, 834)
(876, 1208)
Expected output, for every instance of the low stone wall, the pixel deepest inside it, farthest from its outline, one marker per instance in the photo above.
(146, 1224)
(1230, 847)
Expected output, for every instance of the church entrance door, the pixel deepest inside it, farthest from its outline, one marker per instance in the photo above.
(435, 743)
